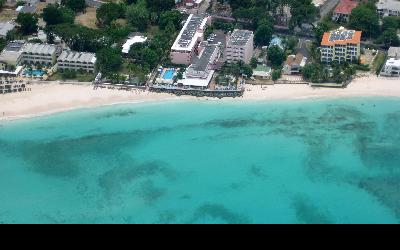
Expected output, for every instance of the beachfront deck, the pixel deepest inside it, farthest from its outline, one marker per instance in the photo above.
(215, 93)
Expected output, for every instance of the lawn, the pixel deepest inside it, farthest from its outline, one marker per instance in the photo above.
(379, 61)
(87, 19)
(85, 77)
(7, 15)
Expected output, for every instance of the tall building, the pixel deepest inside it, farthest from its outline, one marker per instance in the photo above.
(70, 60)
(192, 34)
(388, 8)
(341, 46)
(240, 46)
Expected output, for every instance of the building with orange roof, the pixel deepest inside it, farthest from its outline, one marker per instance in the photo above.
(341, 46)
(343, 11)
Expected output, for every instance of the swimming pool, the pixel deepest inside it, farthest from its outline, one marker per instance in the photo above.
(35, 72)
(169, 74)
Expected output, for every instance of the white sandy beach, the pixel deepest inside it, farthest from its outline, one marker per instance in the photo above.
(52, 98)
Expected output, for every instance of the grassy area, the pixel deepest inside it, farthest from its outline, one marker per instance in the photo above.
(7, 15)
(85, 77)
(379, 62)
(152, 31)
(87, 19)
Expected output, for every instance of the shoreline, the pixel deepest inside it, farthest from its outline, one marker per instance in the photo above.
(50, 99)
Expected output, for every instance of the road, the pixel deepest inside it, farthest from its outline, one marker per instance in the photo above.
(328, 7)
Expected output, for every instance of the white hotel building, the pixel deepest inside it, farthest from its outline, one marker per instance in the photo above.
(192, 34)
(44, 54)
(70, 60)
(240, 46)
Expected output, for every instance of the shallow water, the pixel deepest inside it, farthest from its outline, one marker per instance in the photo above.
(331, 161)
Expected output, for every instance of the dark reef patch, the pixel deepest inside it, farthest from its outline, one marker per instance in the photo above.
(308, 213)
(218, 212)
(128, 171)
(167, 217)
(386, 189)
(120, 113)
(257, 171)
(150, 193)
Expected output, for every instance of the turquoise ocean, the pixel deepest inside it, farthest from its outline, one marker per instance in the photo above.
(308, 161)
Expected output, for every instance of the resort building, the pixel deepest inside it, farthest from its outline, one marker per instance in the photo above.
(9, 57)
(201, 72)
(391, 68)
(343, 10)
(9, 84)
(388, 8)
(262, 72)
(44, 54)
(240, 46)
(185, 46)
(70, 60)
(131, 41)
(294, 64)
(341, 46)
(5, 28)
(394, 52)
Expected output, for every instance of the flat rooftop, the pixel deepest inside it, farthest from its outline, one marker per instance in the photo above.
(388, 4)
(77, 57)
(189, 34)
(240, 37)
(5, 28)
(341, 37)
(36, 48)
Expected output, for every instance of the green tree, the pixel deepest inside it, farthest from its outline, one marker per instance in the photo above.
(254, 62)
(54, 14)
(276, 56)
(3, 44)
(2, 2)
(247, 70)
(173, 16)
(365, 18)
(276, 75)
(75, 5)
(303, 11)
(390, 38)
(108, 13)
(138, 15)
(263, 34)
(109, 60)
(28, 23)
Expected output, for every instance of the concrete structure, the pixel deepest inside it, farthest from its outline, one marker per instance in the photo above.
(391, 68)
(341, 46)
(70, 60)
(131, 41)
(9, 57)
(388, 8)
(5, 28)
(185, 46)
(201, 72)
(294, 64)
(9, 84)
(240, 46)
(44, 54)
(343, 10)
(42, 36)
(394, 52)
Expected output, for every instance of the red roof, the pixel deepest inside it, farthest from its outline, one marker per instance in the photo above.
(346, 7)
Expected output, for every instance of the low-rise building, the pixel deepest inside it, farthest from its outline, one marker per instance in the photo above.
(394, 52)
(70, 60)
(294, 64)
(10, 56)
(391, 68)
(185, 46)
(388, 8)
(262, 72)
(201, 72)
(341, 46)
(343, 10)
(240, 46)
(9, 84)
(43, 54)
